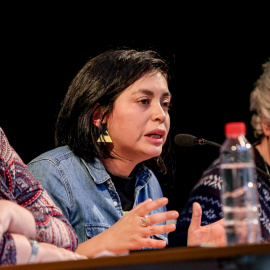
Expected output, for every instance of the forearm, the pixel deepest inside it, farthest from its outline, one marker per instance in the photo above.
(16, 219)
(46, 223)
(44, 252)
(92, 246)
(15, 249)
(23, 248)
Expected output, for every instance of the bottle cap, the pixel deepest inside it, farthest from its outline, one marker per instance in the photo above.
(235, 129)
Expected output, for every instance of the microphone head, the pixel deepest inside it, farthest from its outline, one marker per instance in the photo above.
(185, 140)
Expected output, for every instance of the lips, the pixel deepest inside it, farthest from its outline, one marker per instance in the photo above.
(156, 134)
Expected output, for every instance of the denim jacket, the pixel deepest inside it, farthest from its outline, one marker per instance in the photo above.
(85, 192)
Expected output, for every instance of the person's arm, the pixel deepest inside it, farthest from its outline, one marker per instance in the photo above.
(128, 234)
(17, 249)
(18, 184)
(45, 252)
(14, 218)
(17, 225)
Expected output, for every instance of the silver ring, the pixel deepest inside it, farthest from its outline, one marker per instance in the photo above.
(143, 221)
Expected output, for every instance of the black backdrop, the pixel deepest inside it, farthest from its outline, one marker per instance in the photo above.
(215, 65)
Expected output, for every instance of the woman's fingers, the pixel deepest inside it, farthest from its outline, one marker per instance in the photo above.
(160, 229)
(147, 206)
(195, 223)
(143, 203)
(161, 217)
(143, 209)
(154, 243)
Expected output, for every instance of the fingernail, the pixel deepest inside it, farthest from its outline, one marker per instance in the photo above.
(174, 214)
(164, 199)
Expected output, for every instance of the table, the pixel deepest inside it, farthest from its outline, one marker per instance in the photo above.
(242, 257)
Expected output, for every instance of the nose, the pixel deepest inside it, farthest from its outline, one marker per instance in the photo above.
(159, 114)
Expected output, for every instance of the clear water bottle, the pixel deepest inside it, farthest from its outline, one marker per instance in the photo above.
(239, 194)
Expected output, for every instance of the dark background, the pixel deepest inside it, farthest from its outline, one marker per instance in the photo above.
(216, 58)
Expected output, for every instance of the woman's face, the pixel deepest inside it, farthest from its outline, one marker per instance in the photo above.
(139, 123)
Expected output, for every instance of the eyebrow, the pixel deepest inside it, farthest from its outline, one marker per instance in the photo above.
(151, 93)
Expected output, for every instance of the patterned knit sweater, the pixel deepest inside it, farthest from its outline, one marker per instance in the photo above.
(207, 193)
(17, 184)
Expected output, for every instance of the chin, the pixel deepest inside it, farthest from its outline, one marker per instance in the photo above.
(154, 154)
(150, 152)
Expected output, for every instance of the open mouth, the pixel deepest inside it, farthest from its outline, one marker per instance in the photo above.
(155, 136)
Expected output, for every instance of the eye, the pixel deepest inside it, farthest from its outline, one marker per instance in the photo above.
(144, 101)
(166, 105)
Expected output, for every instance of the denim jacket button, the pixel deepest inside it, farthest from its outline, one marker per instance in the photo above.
(115, 203)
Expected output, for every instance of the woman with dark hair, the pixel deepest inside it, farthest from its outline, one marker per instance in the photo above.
(114, 121)
(93, 93)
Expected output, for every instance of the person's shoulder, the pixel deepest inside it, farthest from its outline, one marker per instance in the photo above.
(213, 168)
(4, 143)
(210, 179)
(55, 155)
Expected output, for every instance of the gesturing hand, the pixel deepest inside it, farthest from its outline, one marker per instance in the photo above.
(209, 235)
(129, 233)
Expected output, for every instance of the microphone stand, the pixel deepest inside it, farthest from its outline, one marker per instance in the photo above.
(203, 142)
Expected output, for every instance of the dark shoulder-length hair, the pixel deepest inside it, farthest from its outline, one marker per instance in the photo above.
(96, 86)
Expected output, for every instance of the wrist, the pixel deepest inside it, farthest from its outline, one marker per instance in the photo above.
(35, 247)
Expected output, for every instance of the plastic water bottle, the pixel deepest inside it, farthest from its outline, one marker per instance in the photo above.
(239, 194)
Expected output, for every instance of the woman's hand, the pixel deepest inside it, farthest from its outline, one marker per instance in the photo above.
(129, 234)
(208, 235)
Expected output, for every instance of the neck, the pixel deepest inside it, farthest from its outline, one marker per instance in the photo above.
(117, 167)
(264, 150)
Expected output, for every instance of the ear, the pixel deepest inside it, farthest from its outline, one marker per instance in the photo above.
(96, 119)
(266, 127)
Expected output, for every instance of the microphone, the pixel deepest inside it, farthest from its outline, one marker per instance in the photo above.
(190, 140)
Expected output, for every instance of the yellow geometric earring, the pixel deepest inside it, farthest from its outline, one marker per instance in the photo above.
(104, 137)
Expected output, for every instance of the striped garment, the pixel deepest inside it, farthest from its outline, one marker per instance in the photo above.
(207, 193)
(17, 184)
